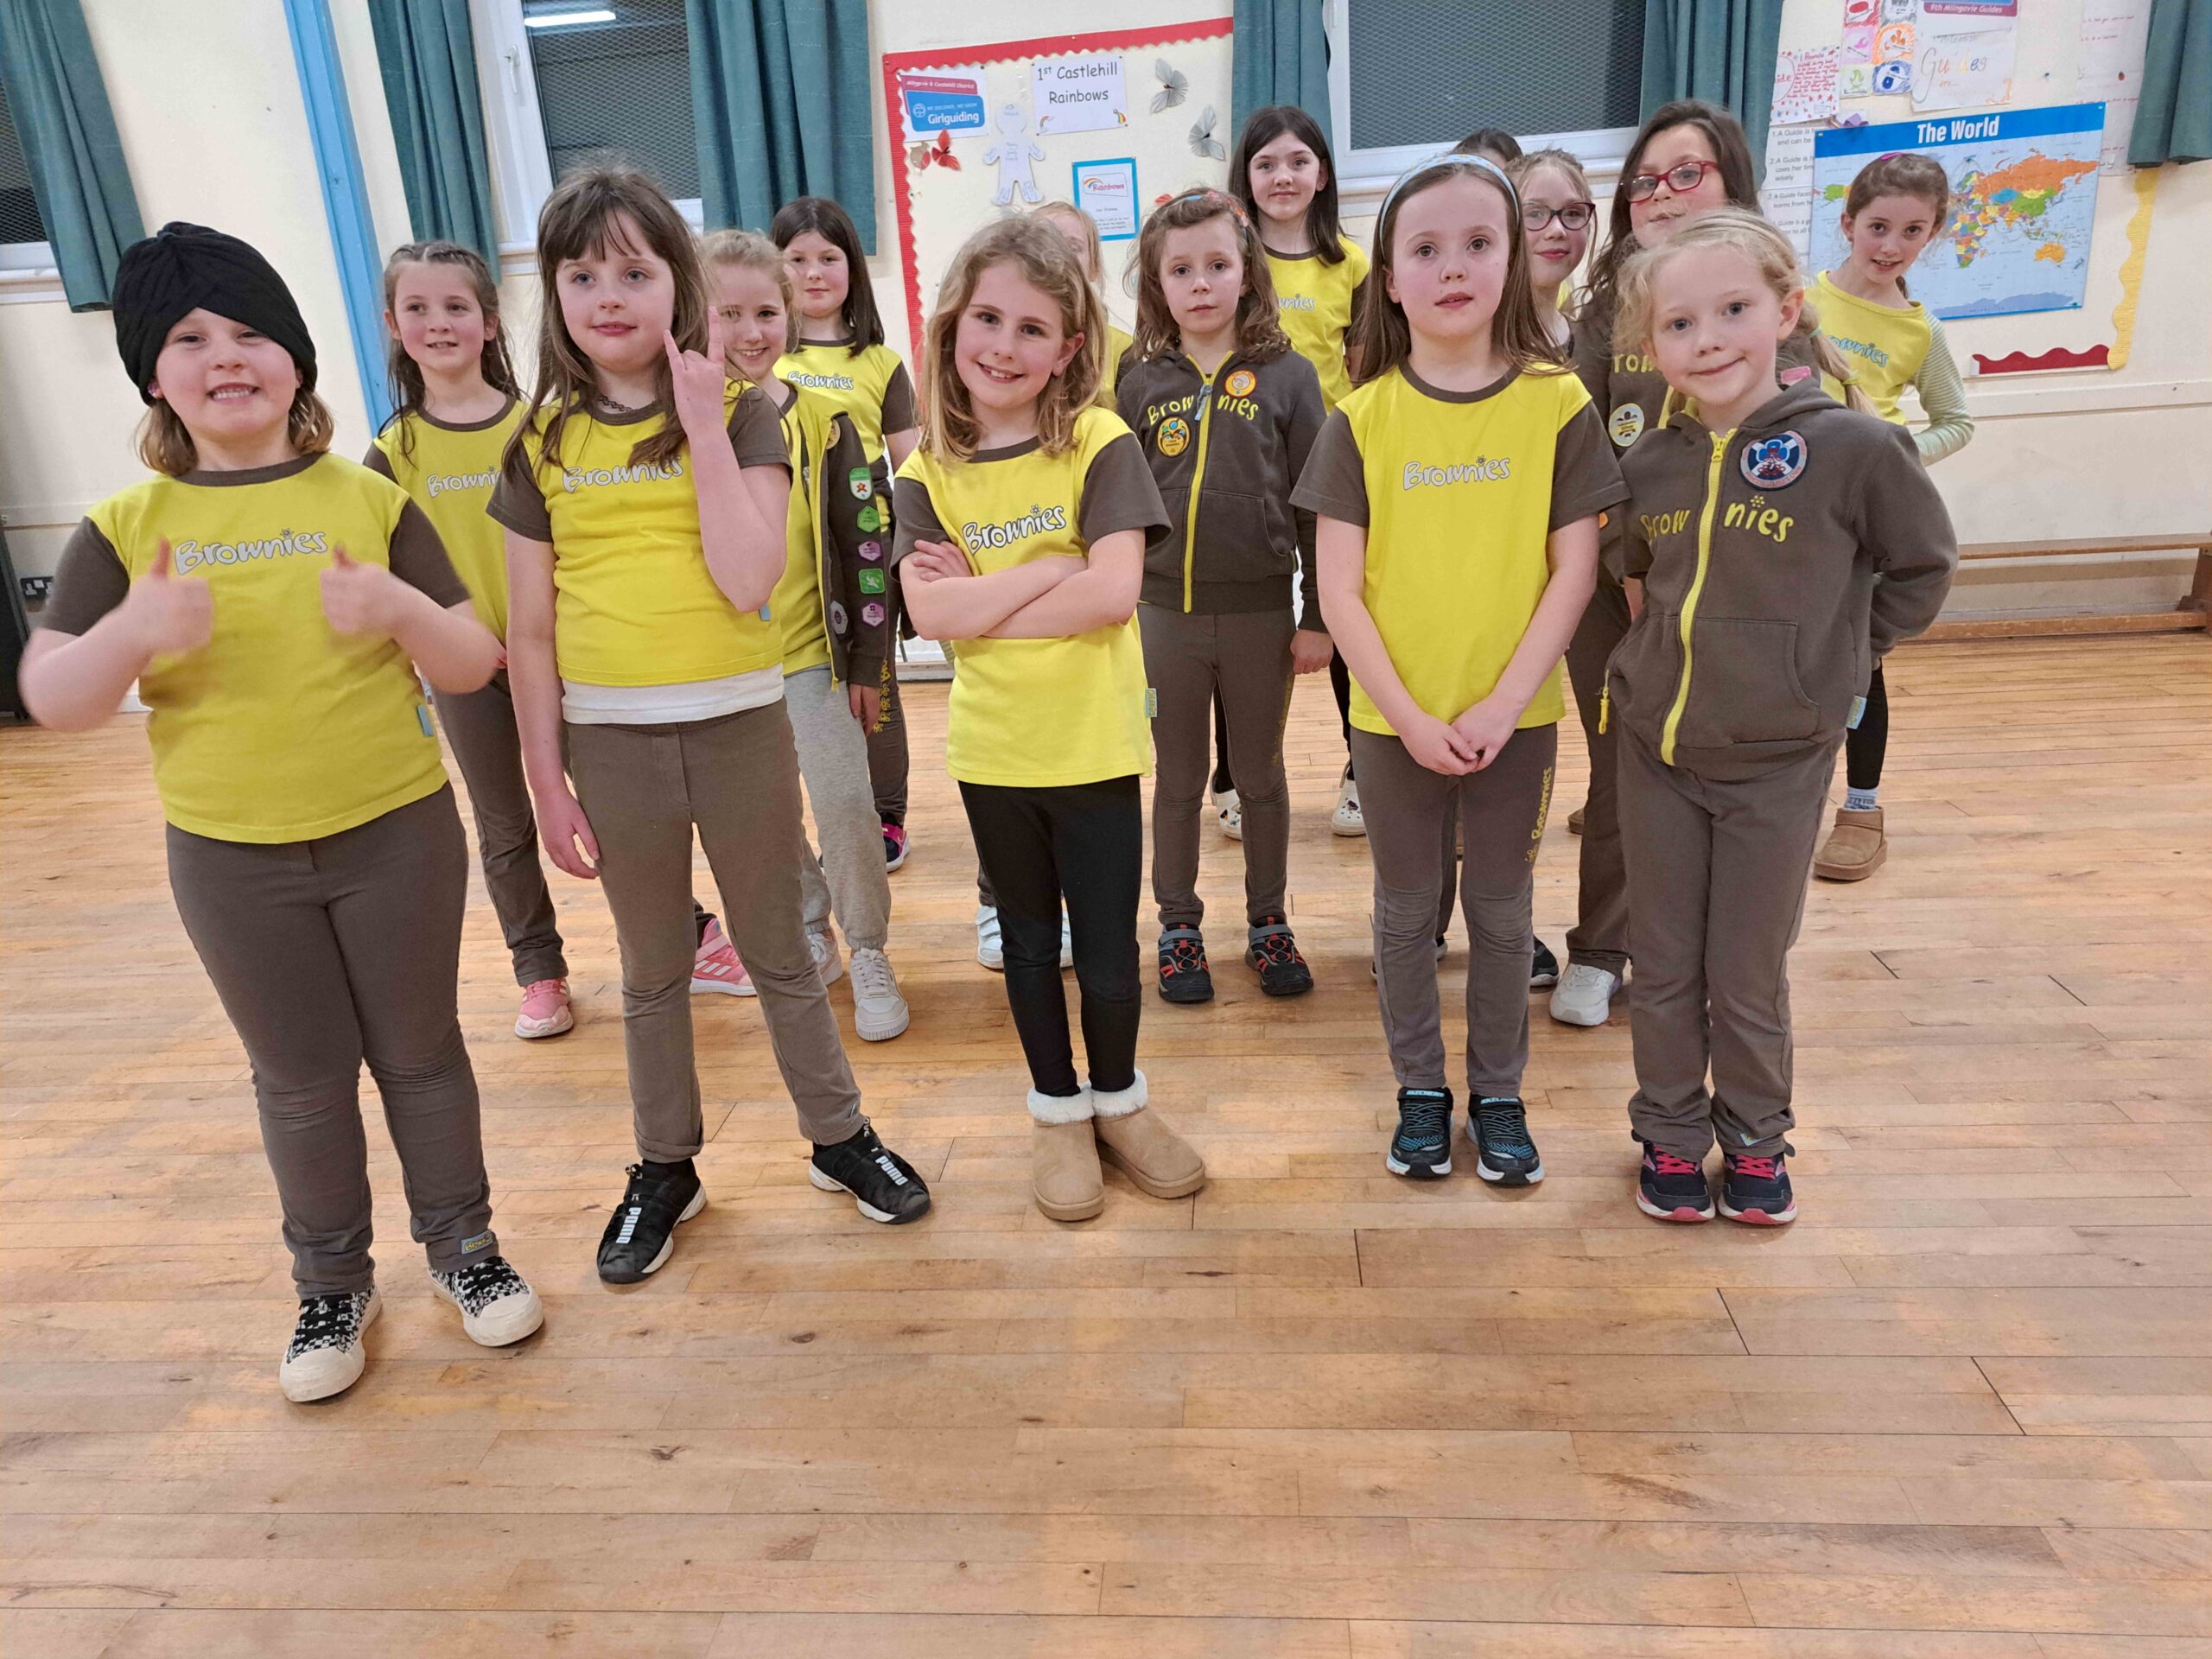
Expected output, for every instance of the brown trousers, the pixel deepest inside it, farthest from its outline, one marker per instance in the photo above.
(1599, 936)
(1717, 879)
(480, 727)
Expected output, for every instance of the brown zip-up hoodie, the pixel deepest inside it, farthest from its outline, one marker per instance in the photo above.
(1758, 549)
(1225, 453)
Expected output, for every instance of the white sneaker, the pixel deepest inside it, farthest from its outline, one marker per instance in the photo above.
(1230, 811)
(1067, 942)
(497, 1305)
(991, 949)
(326, 1352)
(822, 947)
(1346, 819)
(879, 1012)
(1585, 996)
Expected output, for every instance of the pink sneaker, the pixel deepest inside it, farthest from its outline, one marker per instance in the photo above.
(716, 967)
(545, 1011)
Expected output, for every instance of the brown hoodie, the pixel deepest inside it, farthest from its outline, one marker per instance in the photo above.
(1758, 549)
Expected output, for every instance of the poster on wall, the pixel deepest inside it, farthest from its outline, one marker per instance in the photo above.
(1966, 52)
(2024, 182)
(1804, 86)
(1078, 95)
(1107, 192)
(942, 101)
(2115, 35)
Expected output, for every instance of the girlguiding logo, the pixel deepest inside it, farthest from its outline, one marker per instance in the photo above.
(1774, 463)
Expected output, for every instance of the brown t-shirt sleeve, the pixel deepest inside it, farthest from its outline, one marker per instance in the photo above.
(516, 502)
(1591, 351)
(756, 434)
(89, 583)
(379, 463)
(1334, 483)
(418, 558)
(898, 402)
(1585, 477)
(1119, 494)
(913, 518)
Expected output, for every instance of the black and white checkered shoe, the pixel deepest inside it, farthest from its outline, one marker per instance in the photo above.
(326, 1352)
(497, 1305)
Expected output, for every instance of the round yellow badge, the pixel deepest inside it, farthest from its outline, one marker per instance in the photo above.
(1240, 383)
(1174, 435)
(1627, 425)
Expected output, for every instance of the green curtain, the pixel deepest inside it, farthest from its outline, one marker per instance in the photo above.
(68, 134)
(427, 54)
(2174, 121)
(779, 90)
(1279, 55)
(1722, 51)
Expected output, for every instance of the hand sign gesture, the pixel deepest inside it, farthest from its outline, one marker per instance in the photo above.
(357, 598)
(696, 382)
(171, 612)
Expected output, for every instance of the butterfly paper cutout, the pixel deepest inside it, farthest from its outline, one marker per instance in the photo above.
(1202, 143)
(1175, 85)
(924, 156)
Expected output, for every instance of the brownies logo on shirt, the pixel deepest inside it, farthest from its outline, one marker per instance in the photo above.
(1484, 469)
(1294, 302)
(289, 544)
(821, 382)
(438, 484)
(979, 537)
(599, 478)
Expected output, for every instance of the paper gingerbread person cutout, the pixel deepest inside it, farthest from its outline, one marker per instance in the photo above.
(1013, 152)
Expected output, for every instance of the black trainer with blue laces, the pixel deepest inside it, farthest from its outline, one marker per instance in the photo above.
(1421, 1149)
(1504, 1153)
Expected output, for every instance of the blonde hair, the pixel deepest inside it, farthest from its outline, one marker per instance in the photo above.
(1259, 325)
(165, 442)
(1738, 231)
(1042, 258)
(750, 250)
(1094, 249)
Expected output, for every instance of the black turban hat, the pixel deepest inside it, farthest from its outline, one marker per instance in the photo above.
(186, 268)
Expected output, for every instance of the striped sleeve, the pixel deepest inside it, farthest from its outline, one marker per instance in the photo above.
(1944, 397)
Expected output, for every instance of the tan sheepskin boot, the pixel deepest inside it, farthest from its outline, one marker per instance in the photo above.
(1064, 1178)
(1156, 1160)
(1854, 849)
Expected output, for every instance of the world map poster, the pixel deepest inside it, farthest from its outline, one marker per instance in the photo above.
(2024, 193)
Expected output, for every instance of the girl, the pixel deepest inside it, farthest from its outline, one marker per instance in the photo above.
(1895, 208)
(1557, 212)
(830, 606)
(1458, 491)
(840, 354)
(1283, 175)
(274, 604)
(1051, 506)
(1689, 158)
(1759, 520)
(456, 404)
(1227, 414)
(1081, 232)
(645, 502)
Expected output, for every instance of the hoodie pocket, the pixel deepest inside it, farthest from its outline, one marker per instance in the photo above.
(1744, 685)
(1236, 541)
(1643, 671)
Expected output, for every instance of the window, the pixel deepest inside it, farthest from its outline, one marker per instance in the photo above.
(23, 232)
(1410, 77)
(564, 80)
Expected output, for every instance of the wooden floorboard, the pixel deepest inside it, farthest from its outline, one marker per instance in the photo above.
(1961, 1410)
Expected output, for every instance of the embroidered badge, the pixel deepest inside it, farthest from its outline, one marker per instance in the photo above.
(839, 622)
(870, 519)
(1774, 463)
(862, 487)
(871, 582)
(871, 551)
(1627, 425)
(1174, 435)
(872, 613)
(1240, 383)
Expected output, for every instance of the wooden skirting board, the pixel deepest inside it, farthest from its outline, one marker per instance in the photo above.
(2188, 616)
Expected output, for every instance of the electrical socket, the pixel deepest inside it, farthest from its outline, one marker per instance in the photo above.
(36, 589)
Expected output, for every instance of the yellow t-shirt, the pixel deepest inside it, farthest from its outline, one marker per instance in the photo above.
(280, 728)
(634, 602)
(1884, 343)
(796, 606)
(449, 472)
(1118, 340)
(1459, 493)
(1041, 713)
(872, 387)
(1314, 298)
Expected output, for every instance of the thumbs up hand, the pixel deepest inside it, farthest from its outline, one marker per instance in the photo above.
(170, 614)
(359, 597)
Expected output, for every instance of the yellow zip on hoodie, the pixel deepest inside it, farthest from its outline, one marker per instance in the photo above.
(1198, 479)
(1720, 441)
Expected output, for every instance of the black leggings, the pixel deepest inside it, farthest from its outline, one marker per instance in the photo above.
(1340, 683)
(1085, 842)
(1867, 743)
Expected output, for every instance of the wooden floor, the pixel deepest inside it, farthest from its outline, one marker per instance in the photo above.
(1962, 1409)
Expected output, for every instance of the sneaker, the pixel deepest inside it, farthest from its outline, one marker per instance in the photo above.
(991, 948)
(1503, 1151)
(1855, 847)
(1671, 1188)
(822, 947)
(884, 1185)
(326, 1354)
(1422, 1145)
(1183, 975)
(497, 1305)
(1543, 967)
(1756, 1191)
(545, 1011)
(894, 846)
(879, 1013)
(1269, 947)
(1067, 942)
(1346, 820)
(1585, 996)
(1230, 811)
(641, 1232)
(716, 967)
(1574, 820)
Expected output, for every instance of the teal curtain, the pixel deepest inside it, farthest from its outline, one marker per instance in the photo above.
(1279, 55)
(2174, 121)
(61, 113)
(779, 90)
(427, 54)
(1722, 51)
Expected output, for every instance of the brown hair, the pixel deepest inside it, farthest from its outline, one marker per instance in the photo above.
(1730, 148)
(1769, 252)
(1324, 226)
(1495, 142)
(165, 442)
(750, 250)
(1905, 173)
(403, 371)
(1094, 250)
(1381, 338)
(1259, 327)
(835, 225)
(581, 219)
(1044, 261)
